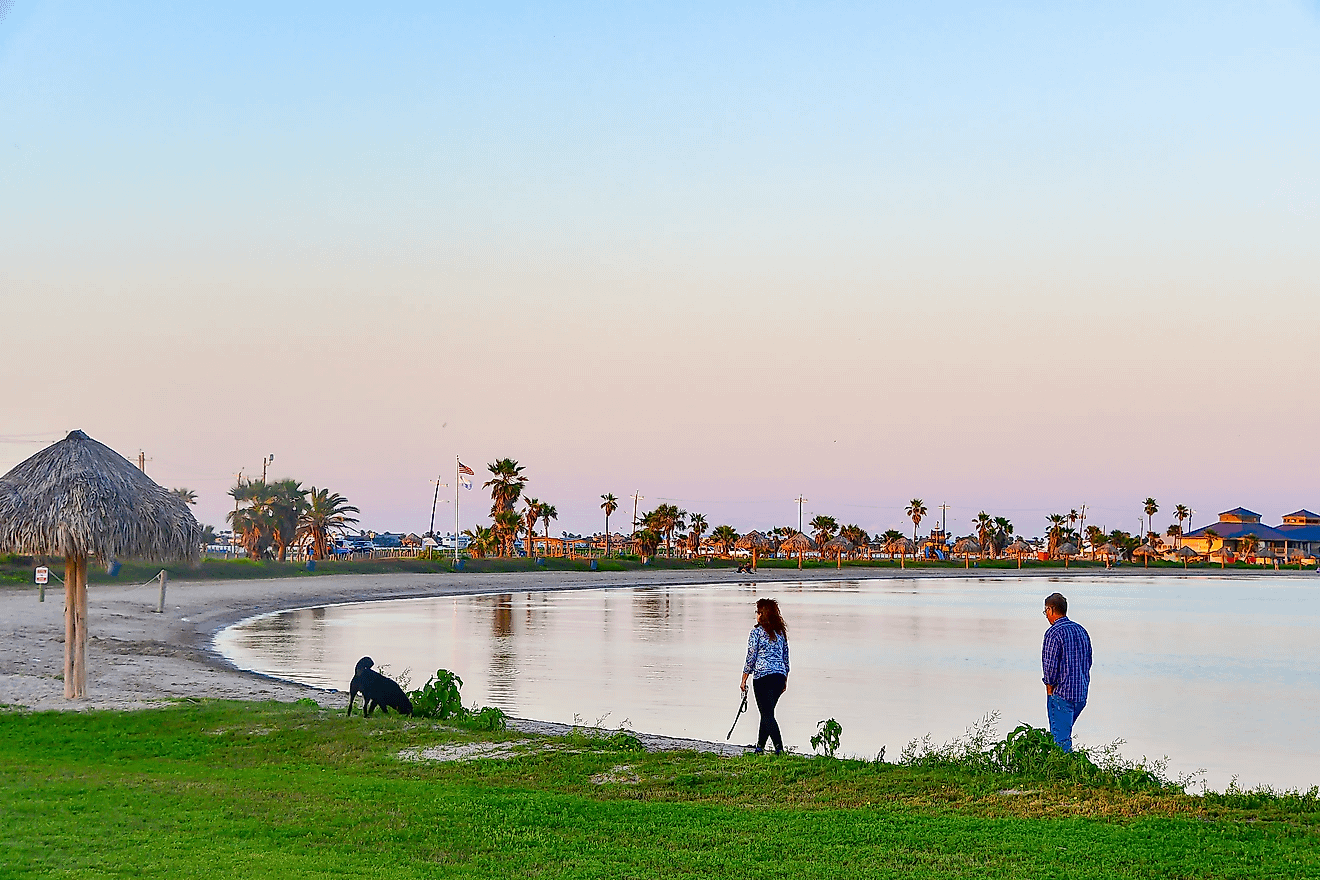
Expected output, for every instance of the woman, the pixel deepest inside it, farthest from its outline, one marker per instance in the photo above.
(767, 663)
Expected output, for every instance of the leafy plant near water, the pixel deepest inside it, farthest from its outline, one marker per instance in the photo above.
(1031, 752)
(827, 736)
(441, 697)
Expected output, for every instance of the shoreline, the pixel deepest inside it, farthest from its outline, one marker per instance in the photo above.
(140, 659)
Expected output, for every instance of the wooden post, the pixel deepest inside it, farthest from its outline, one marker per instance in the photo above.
(753, 557)
(70, 631)
(164, 578)
(80, 625)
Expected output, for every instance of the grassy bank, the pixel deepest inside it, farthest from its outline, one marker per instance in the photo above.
(256, 790)
(18, 570)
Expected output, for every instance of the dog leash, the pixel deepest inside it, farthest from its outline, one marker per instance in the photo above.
(741, 710)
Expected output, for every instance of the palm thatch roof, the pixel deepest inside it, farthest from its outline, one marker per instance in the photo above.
(753, 540)
(1146, 550)
(1018, 546)
(798, 543)
(1108, 548)
(901, 545)
(79, 497)
(1066, 549)
(839, 543)
(1187, 552)
(966, 545)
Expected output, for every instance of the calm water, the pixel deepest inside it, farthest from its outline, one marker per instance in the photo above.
(1217, 674)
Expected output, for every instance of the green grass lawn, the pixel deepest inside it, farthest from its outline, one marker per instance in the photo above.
(255, 790)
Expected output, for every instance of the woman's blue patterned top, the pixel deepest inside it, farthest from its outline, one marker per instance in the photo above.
(766, 657)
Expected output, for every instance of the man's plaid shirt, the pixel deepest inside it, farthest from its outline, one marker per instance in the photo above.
(1066, 659)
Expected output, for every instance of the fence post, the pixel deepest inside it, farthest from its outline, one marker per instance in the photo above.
(164, 578)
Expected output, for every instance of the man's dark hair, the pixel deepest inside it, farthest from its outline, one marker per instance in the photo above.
(1057, 603)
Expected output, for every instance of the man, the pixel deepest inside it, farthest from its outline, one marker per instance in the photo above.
(1066, 660)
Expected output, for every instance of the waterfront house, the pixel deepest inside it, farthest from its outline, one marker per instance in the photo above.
(1235, 530)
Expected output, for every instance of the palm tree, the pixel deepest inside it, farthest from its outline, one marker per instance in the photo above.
(823, 528)
(208, 537)
(187, 496)
(506, 524)
(506, 484)
(326, 513)
(985, 530)
(285, 503)
(1210, 537)
(697, 526)
(857, 536)
(1175, 532)
(916, 509)
(1056, 521)
(1152, 507)
(481, 541)
(531, 514)
(1073, 516)
(1182, 512)
(647, 540)
(1003, 530)
(609, 504)
(549, 512)
(250, 518)
(726, 537)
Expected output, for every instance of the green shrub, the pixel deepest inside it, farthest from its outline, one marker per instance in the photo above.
(441, 698)
(827, 736)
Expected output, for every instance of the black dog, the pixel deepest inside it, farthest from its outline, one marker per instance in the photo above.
(376, 690)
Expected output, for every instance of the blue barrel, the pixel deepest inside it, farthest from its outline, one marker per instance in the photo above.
(594, 566)
(113, 568)
(458, 564)
(311, 565)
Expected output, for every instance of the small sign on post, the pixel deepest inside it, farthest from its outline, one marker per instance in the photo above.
(43, 575)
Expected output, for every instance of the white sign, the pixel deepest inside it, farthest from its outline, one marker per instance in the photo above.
(43, 574)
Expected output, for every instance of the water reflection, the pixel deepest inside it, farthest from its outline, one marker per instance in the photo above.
(1192, 668)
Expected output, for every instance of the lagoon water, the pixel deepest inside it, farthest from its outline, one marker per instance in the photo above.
(1218, 674)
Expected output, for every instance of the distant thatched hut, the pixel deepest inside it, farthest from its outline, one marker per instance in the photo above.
(82, 500)
(902, 546)
(799, 542)
(965, 548)
(838, 545)
(1017, 548)
(755, 542)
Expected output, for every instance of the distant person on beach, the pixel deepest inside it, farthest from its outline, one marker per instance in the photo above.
(767, 663)
(1066, 660)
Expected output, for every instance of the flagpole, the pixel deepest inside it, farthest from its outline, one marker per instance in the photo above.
(457, 479)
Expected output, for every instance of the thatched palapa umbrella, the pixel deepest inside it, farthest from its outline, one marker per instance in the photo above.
(840, 545)
(82, 500)
(755, 542)
(1187, 553)
(966, 547)
(799, 542)
(1017, 548)
(902, 546)
(1145, 551)
(1067, 551)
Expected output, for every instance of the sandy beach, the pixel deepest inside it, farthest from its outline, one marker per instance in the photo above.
(138, 658)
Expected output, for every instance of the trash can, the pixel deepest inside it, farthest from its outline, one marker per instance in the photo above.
(311, 565)
(594, 566)
(458, 564)
(113, 568)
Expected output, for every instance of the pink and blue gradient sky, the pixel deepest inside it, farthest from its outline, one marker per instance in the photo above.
(1012, 257)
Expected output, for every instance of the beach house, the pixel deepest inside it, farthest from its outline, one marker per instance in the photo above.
(1236, 529)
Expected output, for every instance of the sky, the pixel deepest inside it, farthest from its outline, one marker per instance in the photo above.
(1011, 257)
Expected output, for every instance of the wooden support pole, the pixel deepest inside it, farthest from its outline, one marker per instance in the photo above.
(70, 631)
(164, 579)
(80, 622)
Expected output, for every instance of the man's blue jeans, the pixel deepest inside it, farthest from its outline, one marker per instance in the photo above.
(1062, 714)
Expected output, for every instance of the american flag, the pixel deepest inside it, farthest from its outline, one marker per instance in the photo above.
(464, 469)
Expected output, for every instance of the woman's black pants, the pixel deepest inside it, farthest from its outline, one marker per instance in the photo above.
(768, 689)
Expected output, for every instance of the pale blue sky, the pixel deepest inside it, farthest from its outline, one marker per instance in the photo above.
(719, 255)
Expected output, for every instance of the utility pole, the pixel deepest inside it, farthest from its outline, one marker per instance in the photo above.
(142, 461)
(637, 496)
(800, 501)
(1081, 528)
(434, 502)
(233, 533)
(265, 461)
